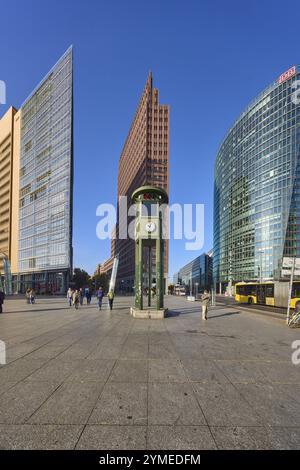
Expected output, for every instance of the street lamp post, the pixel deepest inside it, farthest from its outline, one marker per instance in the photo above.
(230, 273)
(260, 266)
(213, 293)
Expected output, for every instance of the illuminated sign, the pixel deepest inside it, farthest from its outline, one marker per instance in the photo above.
(286, 75)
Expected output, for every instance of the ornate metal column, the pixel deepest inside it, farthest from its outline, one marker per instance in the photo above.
(148, 233)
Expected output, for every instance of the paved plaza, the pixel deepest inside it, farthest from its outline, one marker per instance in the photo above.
(98, 380)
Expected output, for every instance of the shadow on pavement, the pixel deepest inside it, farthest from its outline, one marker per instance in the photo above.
(176, 313)
(36, 310)
(82, 307)
(223, 315)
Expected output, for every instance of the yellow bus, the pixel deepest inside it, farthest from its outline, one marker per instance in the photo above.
(268, 293)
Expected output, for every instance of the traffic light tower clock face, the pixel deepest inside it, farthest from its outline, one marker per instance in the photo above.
(147, 228)
(148, 233)
(150, 227)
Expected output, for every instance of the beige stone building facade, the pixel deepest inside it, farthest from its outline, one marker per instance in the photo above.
(36, 186)
(9, 186)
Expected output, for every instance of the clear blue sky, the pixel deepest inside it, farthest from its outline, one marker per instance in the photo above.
(208, 58)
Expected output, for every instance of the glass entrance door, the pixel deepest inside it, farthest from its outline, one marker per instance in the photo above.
(261, 294)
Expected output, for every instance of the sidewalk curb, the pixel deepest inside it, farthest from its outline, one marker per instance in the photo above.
(278, 316)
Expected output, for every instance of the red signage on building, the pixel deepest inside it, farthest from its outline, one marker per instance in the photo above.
(286, 75)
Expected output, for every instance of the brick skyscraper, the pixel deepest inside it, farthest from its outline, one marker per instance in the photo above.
(144, 160)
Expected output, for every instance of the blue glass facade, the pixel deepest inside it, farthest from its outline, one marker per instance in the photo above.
(197, 274)
(257, 187)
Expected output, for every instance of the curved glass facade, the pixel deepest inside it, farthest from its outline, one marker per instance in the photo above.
(257, 187)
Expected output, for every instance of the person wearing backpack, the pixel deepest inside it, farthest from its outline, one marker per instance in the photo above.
(110, 296)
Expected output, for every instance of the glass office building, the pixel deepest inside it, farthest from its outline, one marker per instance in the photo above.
(257, 187)
(46, 180)
(196, 275)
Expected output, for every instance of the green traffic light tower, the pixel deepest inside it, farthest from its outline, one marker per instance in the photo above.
(148, 237)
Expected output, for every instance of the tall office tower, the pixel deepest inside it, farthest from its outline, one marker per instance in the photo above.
(144, 160)
(9, 175)
(257, 187)
(46, 181)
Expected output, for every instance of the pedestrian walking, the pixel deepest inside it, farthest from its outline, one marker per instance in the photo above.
(27, 295)
(88, 296)
(111, 296)
(81, 296)
(153, 292)
(32, 296)
(75, 299)
(100, 295)
(205, 298)
(69, 296)
(2, 297)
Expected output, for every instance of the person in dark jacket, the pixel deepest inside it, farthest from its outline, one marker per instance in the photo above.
(100, 295)
(88, 296)
(2, 297)
(81, 296)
